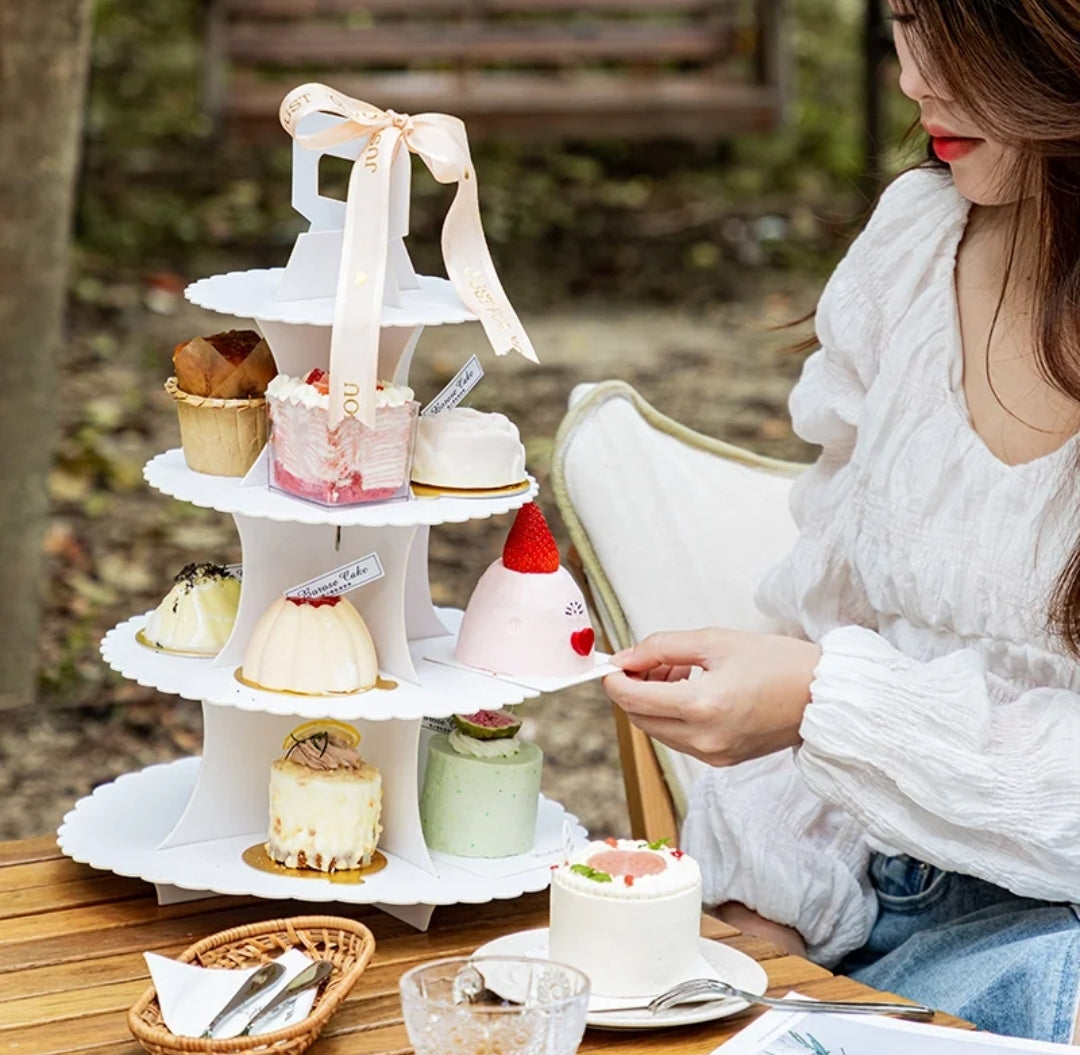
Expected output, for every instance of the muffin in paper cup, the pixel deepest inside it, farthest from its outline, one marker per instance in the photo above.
(221, 437)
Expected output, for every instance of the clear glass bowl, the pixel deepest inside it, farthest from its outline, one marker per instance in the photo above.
(494, 1005)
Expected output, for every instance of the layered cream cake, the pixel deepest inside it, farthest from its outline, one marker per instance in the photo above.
(325, 800)
(198, 612)
(526, 615)
(481, 788)
(628, 914)
(348, 463)
(467, 449)
(316, 645)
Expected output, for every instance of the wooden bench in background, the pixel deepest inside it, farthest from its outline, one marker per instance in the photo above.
(540, 69)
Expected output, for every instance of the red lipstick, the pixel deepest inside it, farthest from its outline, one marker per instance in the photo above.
(948, 147)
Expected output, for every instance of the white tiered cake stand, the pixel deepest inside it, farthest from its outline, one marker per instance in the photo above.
(186, 825)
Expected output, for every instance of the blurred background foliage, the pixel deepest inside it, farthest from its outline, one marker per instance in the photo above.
(662, 221)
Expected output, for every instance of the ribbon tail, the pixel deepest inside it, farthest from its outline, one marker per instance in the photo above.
(470, 269)
(354, 343)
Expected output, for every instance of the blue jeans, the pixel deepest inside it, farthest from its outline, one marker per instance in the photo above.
(1008, 964)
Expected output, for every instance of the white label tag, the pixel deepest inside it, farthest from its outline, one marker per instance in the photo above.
(235, 571)
(439, 725)
(341, 580)
(461, 384)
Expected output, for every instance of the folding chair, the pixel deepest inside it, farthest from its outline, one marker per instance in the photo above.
(672, 530)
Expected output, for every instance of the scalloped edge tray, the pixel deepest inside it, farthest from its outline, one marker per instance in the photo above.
(119, 827)
(252, 295)
(442, 691)
(169, 474)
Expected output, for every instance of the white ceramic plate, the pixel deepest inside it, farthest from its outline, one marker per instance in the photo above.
(732, 966)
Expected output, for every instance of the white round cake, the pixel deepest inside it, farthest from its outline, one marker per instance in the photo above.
(628, 914)
(315, 646)
(467, 449)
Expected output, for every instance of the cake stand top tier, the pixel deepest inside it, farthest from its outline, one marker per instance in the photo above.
(169, 474)
(254, 295)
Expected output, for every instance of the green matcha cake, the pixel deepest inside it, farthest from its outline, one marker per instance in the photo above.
(481, 788)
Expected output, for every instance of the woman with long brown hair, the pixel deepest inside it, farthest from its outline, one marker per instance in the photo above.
(897, 782)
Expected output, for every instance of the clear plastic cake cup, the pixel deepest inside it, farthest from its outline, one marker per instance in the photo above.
(348, 464)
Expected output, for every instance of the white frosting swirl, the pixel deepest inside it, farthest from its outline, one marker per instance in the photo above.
(295, 390)
(463, 744)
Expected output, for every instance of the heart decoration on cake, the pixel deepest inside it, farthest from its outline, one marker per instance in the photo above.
(527, 616)
(582, 641)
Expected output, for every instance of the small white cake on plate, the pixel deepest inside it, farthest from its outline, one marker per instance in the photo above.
(628, 914)
(466, 449)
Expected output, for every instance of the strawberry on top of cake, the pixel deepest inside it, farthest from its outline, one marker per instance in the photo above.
(526, 615)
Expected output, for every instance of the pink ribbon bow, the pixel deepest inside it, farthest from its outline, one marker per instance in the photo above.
(441, 142)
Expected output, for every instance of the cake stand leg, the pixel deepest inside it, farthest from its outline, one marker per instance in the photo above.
(396, 347)
(167, 894)
(421, 619)
(297, 349)
(418, 916)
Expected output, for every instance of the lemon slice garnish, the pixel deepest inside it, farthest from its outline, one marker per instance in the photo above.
(323, 725)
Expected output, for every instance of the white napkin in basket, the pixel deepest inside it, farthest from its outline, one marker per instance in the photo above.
(191, 996)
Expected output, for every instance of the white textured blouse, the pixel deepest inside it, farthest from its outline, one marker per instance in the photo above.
(944, 719)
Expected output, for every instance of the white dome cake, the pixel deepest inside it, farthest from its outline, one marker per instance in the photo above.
(466, 449)
(628, 914)
(526, 615)
(325, 800)
(316, 646)
(197, 614)
(481, 788)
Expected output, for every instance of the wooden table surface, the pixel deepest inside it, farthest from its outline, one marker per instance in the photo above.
(72, 939)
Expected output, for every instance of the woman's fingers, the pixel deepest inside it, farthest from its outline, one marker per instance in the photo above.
(673, 648)
(644, 697)
(665, 673)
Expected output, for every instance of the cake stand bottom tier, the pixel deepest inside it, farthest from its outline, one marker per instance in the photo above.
(120, 826)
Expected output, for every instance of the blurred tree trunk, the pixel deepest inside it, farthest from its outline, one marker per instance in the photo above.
(44, 47)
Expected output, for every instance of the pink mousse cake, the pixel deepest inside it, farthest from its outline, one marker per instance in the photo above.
(526, 615)
(349, 463)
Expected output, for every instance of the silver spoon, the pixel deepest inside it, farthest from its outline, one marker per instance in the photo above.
(310, 978)
(261, 980)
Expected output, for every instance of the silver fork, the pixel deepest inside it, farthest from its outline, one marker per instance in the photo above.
(685, 991)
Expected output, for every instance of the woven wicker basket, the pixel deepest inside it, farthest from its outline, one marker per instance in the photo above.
(346, 944)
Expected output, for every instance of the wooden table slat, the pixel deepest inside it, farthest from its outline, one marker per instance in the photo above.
(25, 851)
(42, 873)
(82, 893)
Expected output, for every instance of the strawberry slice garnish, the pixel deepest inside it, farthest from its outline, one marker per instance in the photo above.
(319, 380)
(530, 546)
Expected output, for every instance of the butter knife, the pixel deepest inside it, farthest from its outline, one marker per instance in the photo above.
(309, 978)
(256, 984)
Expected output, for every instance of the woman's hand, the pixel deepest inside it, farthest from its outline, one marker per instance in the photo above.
(748, 702)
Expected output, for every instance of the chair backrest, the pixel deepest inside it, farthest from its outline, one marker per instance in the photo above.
(673, 530)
